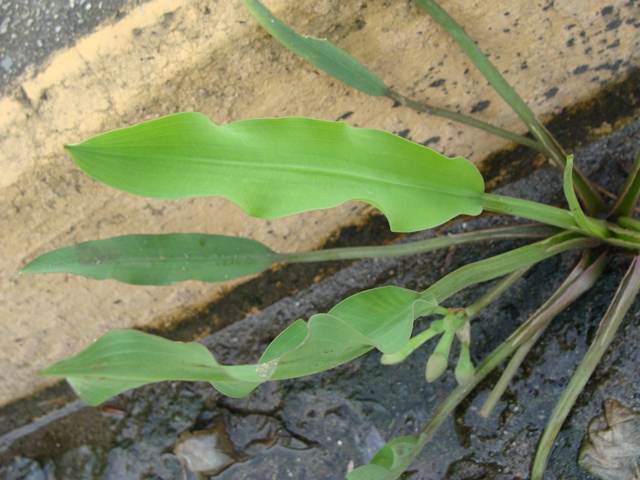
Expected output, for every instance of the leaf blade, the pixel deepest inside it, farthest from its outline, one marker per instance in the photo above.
(159, 259)
(320, 52)
(125, 359)
(277, 167)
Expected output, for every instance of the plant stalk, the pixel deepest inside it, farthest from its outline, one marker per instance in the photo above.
(582, 277)
(558, 217)
(622, 301)
(495, 292)
(592, 200)
(506, 349)
(467, 120)
(504, 264)
(430, 244)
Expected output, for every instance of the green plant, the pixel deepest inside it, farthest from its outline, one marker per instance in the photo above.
(278, 167)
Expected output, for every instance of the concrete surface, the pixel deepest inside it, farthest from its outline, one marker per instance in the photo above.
(31, 30)
(167, 56)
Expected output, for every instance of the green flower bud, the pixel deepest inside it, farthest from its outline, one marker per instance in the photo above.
(438, 361)
(436, 366)
(465, 371)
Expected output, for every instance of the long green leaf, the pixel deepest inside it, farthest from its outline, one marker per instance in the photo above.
(278, 167)
(171, 258)
(320, 52)
(504, 263)
(126, 359)
(628, 196)
(159, 259)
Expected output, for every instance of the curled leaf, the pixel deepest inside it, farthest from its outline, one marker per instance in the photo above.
(380, 318)
(390, 461)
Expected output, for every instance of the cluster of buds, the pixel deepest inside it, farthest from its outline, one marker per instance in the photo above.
(454, 323)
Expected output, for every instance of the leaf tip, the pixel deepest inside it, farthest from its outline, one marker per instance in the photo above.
(28, 268)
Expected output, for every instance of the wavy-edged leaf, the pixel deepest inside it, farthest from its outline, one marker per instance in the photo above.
(126, 359)
(320, 52)
(159, 259)
(278, 167)
(364, 310)
(389, 463)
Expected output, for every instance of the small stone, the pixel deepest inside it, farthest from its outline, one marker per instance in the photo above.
(206, 452)
(4, 26)
(6, 63)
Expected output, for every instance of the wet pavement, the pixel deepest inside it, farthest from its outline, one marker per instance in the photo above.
(322, 426)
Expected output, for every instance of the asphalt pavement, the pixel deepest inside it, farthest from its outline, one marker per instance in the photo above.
(31, 30)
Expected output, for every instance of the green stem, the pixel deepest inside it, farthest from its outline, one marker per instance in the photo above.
(538, 212)
(609, 325)
(431, 244)
(495, 292)
(465, 119)
(414, 342)
(591, 199)
(506, 349)
(630, 190)
(579, 280)
(508, 373)
(504, 264)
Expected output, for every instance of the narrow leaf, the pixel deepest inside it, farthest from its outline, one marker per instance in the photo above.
(126, 359)
(630, 223)
(321, 53)
(159, 259)
(505, 263)
(278, 167)
(587, 224)
(628, 197)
